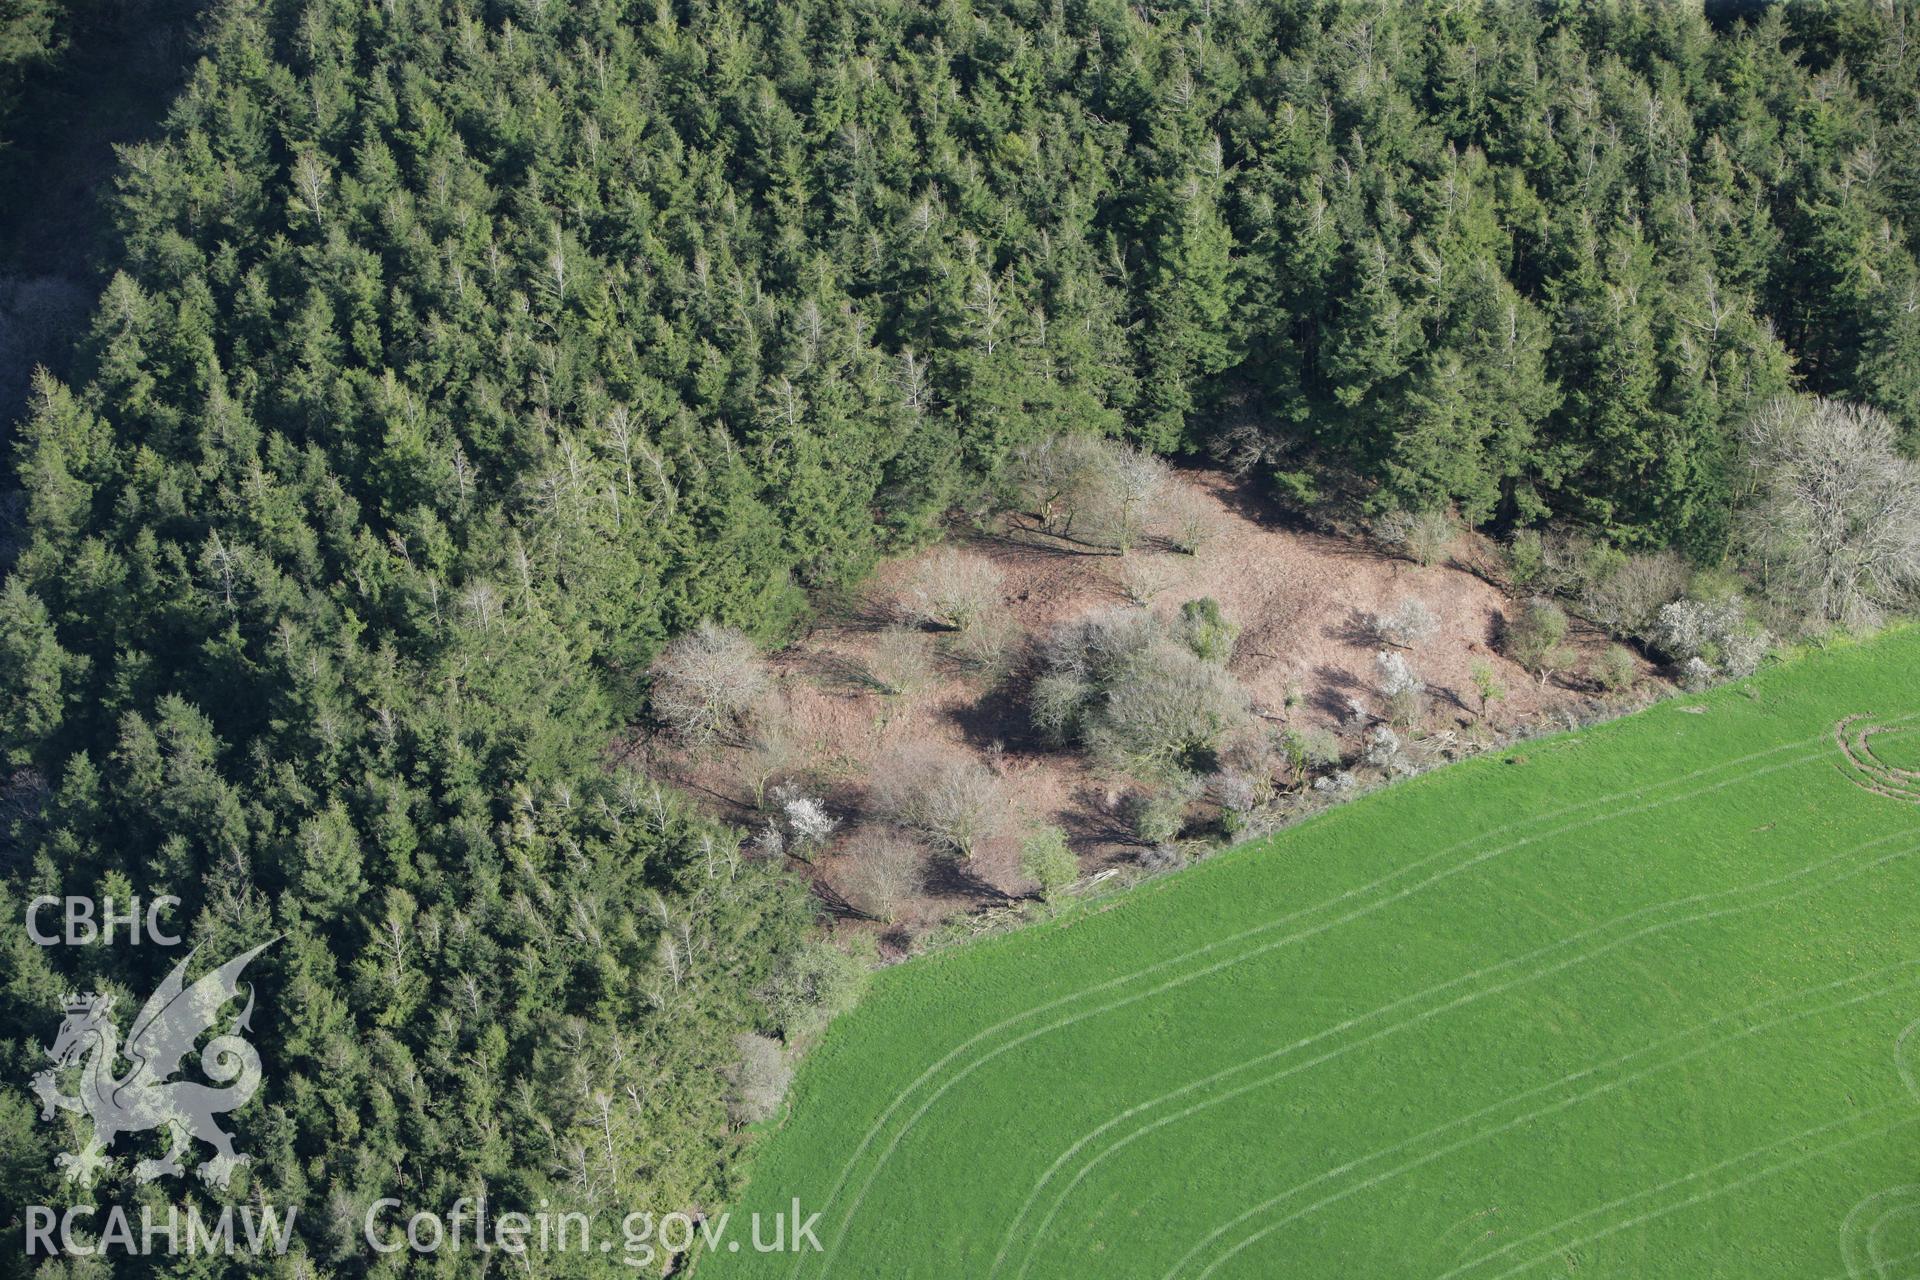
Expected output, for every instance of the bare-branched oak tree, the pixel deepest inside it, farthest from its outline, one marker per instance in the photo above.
(953, 589)
(1833, 518)
(759, 1080)
(1099, 492)
(1407, 625)
(708, 683)
(954, 801)
(882, 867)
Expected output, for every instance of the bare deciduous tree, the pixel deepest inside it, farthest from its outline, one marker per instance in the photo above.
(1131, 483)
(883, 869)
(708, 683)
(1099, 492)
(771, 752)
(1058, 700)
(1052, 477)
(1627, 597)
(1142, 578)
(759, 1079)
(1165, 708)
(1407, 625)
(1400, 688)
(953, 589)
(1424, 537)
(988, 647)
(1191, 522)
(1833, 520)
(900, 662)
(954, 801)
(311, 181)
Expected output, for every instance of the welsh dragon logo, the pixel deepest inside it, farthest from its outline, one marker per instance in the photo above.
(144, 1096)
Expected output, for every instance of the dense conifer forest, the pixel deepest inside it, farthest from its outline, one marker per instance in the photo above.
(456, 356)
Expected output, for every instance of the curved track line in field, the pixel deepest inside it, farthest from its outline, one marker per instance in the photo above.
(1703, 1196)
(886, 1153)
(1854, 735)
(1906, 1078)
(1873, 1235)
(1854, 1239)
(933, 1070)
(1729, 1163)
(1902, 1064)
(1720, 912)
(1850, 1233)
(1553, 1108)
(1883, 1264)
(1584, 955)
(1086, 1168)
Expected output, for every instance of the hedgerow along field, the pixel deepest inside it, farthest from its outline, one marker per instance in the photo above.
(1629, 1002)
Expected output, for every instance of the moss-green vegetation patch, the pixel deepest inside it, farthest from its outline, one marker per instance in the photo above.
(1635, 1008)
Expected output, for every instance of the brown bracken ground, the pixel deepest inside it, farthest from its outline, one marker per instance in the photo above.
(1302, 601)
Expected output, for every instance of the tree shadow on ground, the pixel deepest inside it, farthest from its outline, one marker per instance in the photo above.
(854, 609)
(998, 717)
(1336, 687)
(953, 876)
(832, 901)
(1090, 823)
(1358, 628)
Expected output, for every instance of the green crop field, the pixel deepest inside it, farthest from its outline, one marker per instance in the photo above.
(1629, 1002)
